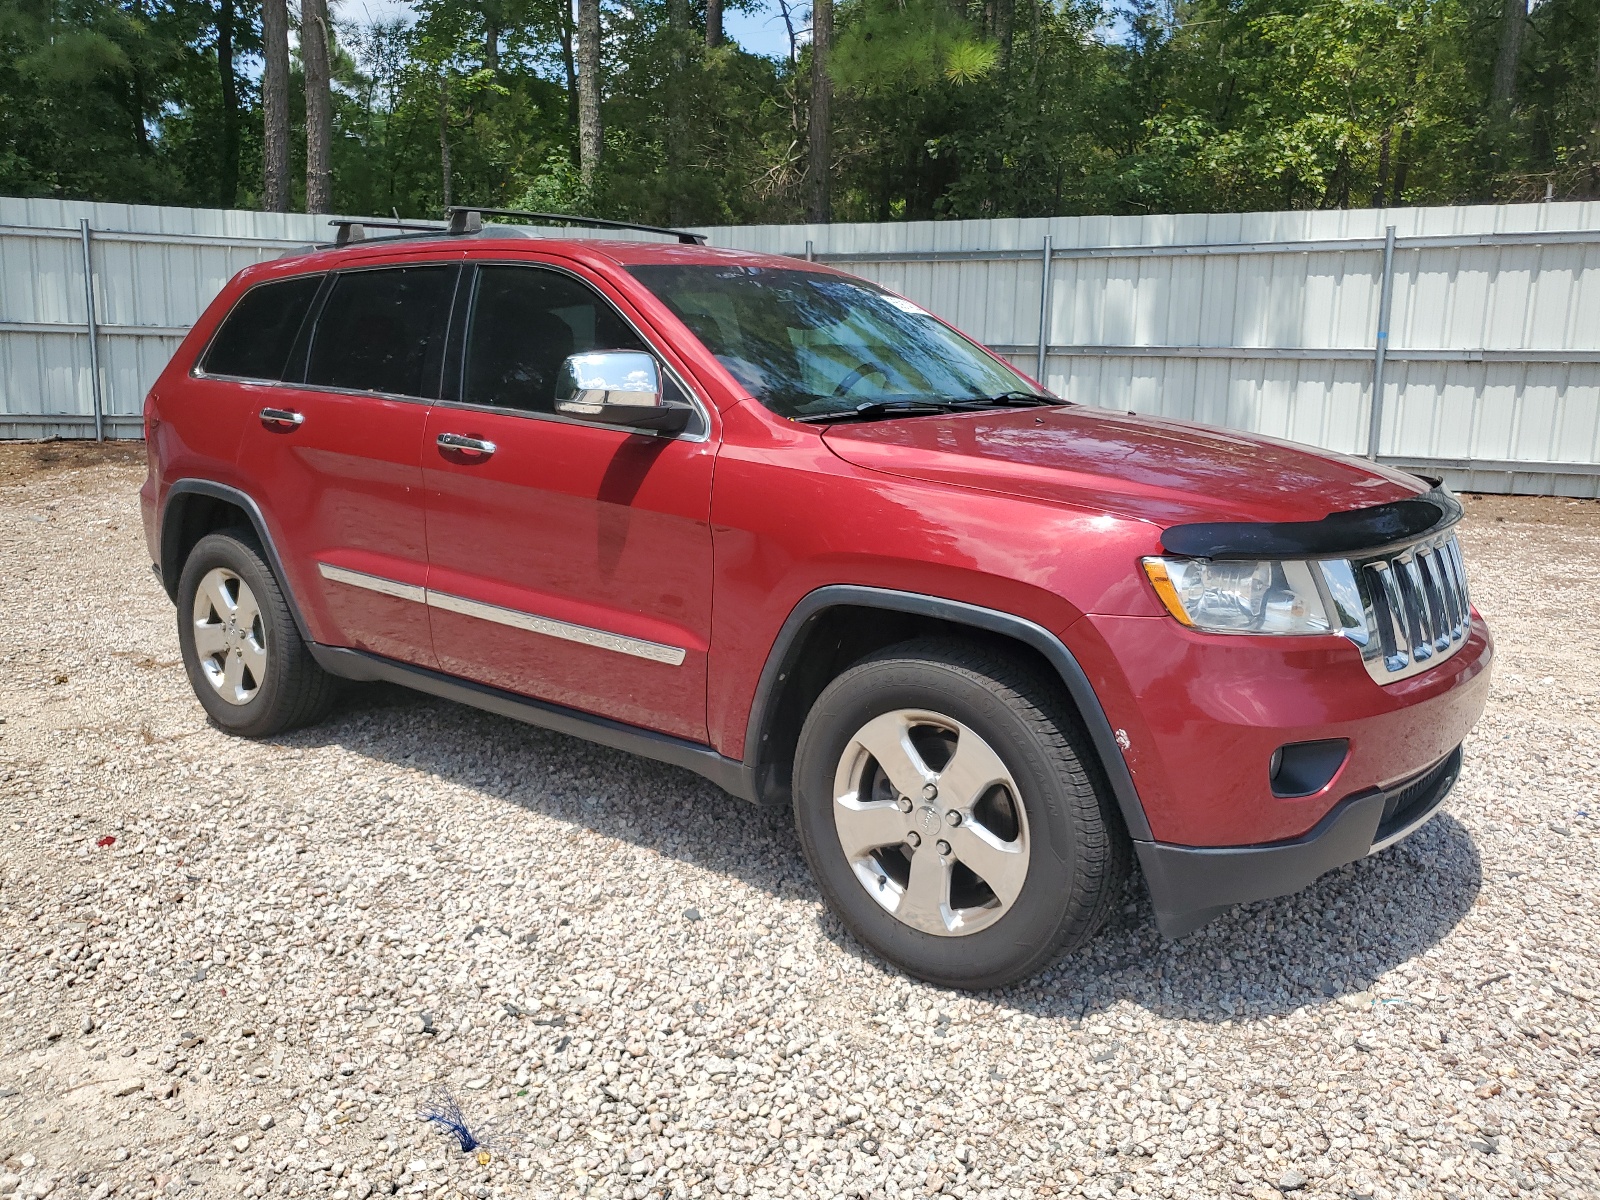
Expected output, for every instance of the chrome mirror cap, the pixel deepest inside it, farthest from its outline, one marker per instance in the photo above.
(590, 384)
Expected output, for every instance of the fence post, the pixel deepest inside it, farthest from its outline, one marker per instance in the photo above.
(89, 321)
(1044, 314)
(1381, 350)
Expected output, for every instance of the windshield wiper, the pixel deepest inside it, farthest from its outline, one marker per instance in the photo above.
(919, 408)
(880, 408)
(1020, 398)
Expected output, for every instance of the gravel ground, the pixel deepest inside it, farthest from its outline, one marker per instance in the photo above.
(628, 982)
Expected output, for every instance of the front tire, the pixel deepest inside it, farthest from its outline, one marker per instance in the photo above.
(954, 815)
(245, 658)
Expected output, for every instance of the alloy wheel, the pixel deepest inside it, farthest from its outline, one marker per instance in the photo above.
(931, 822)
(229, 639)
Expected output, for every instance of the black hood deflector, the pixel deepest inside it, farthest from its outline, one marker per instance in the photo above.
(1360, 532)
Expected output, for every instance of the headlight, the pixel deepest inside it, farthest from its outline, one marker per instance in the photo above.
(1241, 597)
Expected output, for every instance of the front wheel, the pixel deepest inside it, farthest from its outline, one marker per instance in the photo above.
(952, 813)
(245, 658)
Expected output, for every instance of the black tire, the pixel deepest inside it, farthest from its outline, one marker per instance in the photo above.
(293, 690)
(1076, 849)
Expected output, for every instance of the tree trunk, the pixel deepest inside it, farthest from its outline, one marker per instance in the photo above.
(713, 24)
(444, 136)
(821, 164)
(141, 133)
(319, 105)
(1513, 20)
(1005, 23)
(568, 64)
(1397, 194)
(1380, 192)
(1594, 129)
(885, 182)
(491, 44)
(677, 118)
(136, 95)
(1033, 77)
(591, 134)
(228, 189)
(275, 103)
(788, 25)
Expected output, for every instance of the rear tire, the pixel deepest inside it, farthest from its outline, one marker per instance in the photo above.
(246, 661)
(954, 815)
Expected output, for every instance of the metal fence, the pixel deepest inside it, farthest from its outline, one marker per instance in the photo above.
(1460, 340)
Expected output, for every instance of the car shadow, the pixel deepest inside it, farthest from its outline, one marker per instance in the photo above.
(1327, 942)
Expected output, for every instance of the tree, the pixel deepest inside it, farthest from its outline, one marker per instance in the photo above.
(315, 40)
(568, 65)
(1513, 20)
(820, 137)
(228, 167)
(882, 110)
(678, 36)
(275, 103)
(590, 131)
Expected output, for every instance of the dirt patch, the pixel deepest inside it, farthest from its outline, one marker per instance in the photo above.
(24, 460)
(1533, 510)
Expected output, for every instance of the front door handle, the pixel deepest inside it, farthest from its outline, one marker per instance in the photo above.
(461, 444)
(282, 418)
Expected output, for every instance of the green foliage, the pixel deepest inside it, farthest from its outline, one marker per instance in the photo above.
(558, 188)
(887, 48)
(943, 108)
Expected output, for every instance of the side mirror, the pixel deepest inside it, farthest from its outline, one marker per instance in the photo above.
(618, 387)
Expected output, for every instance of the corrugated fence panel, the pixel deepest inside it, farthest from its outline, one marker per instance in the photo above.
(1259, 321)
(155, 269)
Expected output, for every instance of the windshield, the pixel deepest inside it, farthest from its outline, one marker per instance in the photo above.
(809, 344)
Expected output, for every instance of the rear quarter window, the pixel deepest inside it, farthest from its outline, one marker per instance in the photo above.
(255, 339)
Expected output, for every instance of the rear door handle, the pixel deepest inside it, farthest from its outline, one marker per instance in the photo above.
(462, 444)
(282, 418)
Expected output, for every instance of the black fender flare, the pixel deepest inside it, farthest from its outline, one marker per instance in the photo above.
(1072, 674)
(172, 531)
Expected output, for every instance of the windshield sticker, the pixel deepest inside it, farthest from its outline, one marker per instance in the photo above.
(906, 306)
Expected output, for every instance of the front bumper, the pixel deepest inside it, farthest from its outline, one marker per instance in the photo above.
(1190, 885)
(1199, 717)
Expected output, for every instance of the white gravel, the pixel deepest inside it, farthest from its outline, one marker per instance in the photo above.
(628, 982)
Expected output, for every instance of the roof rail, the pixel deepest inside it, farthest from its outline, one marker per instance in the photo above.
(469, 219)
(351, 230)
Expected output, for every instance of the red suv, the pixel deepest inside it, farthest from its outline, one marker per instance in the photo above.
(754, 517)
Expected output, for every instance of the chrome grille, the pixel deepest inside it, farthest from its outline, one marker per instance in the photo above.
(1417, 610)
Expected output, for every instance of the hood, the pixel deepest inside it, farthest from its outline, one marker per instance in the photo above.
(1165, 472)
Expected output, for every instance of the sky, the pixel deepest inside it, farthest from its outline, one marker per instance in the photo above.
(759, 32)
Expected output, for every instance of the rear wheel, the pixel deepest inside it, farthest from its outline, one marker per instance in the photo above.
(953, 814)
(245, 658)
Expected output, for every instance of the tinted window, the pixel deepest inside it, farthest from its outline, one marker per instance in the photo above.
(383, 331)
(255, 339)
(524, 322)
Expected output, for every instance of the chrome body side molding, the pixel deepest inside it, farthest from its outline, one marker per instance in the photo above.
(374, 583)
(673, 656)
(584, 635)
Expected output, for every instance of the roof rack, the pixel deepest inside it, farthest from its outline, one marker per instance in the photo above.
(356, 230)
(465, 219)
(469, 219)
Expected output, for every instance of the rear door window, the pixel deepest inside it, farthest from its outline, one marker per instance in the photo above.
(524, 323)
(256, 338)
(383, 331)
